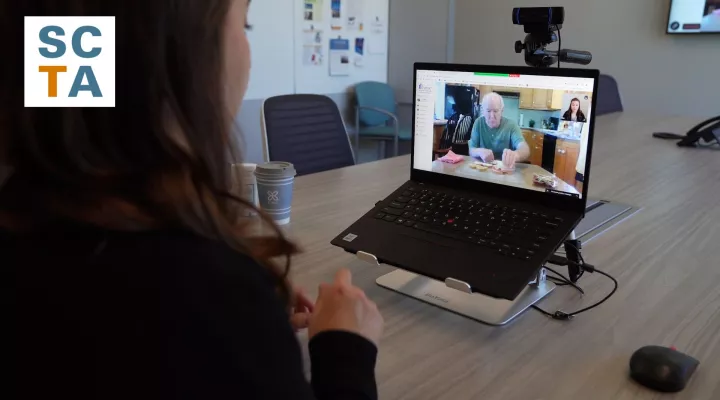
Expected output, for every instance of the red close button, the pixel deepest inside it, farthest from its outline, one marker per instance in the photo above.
(691, 26)
(514, 75)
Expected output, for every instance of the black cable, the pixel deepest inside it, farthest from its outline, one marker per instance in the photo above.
(559, 44)
(612, 292)
(566, 281)
(557, 281)
(563, 316)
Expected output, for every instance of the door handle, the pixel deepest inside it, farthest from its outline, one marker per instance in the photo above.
(561, 151)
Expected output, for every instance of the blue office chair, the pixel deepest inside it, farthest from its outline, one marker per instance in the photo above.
(609, 99)
(375, 115)
(306, 130)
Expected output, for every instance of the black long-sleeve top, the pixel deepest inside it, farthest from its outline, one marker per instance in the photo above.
(161, 315)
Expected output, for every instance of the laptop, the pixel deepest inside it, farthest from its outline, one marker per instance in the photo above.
(474, 221)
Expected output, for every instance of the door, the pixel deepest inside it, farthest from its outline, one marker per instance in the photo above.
(571, 158)
(526, 98)
(560, 165)
(536, 152)
(419, 31)
(555, 99)
(540, 98)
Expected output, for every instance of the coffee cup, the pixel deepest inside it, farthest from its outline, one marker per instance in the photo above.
(275, 189)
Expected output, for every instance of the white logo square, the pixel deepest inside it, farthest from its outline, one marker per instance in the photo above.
(69, 61)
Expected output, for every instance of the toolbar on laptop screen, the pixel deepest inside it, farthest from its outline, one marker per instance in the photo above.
(526, 131)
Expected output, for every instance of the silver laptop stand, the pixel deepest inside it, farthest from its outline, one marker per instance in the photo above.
(455, 296)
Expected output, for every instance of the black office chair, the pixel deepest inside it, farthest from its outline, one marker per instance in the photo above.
(306, 130)
(609, 99)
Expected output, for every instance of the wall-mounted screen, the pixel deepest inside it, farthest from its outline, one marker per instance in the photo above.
(694, 16)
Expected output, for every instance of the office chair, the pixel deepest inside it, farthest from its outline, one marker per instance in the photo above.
(375, 115)
(609, 98)
(306, 130)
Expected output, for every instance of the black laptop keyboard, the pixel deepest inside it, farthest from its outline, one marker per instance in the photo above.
(510, 231)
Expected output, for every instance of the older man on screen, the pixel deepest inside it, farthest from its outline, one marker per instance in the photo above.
(495, 137)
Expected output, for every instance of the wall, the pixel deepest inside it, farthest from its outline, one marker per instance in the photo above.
(656, 72)
(272, 73)
(409, 41)
(420, 31)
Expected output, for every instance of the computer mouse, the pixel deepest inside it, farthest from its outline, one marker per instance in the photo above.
(661, 368)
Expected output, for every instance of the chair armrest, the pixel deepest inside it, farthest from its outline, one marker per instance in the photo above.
(381, 111)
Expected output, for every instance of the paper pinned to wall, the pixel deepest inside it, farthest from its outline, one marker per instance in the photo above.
(377, 25)
(339, 57)
(312, 37)
(360, 46)
(336, 13)
(313, 10)
(312, 56)
(354, 14)
(359, 51)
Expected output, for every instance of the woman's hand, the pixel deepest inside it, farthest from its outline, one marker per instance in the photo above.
(301, 310)
(343, 307)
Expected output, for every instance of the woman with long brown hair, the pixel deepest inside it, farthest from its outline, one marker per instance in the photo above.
(574, 113)
(130, 277)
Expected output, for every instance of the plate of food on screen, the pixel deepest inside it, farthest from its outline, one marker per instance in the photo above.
(549, 181)
(481, 166)
(499, 167)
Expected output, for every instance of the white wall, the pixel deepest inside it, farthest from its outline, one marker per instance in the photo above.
(656, 72)
(418, 33)
(272, 48)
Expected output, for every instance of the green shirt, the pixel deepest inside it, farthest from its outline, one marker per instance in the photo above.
(505, 136)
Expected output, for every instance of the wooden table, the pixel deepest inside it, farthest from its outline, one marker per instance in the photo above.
(667, 259)
(522, 177)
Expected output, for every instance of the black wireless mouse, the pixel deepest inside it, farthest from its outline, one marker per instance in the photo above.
(661, 368)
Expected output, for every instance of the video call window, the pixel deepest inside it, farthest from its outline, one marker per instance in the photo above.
(694, 16)
(533, 138)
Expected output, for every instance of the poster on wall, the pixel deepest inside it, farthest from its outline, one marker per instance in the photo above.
(353, 14)
(312, 37)
(359, 51)
(312, 47)
(335, 10)
(312, 56)
(313, 10)
(378, 25)
(339, 57)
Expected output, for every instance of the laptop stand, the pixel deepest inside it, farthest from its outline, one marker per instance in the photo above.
(455, 296)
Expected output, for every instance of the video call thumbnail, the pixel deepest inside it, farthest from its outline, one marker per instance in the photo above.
(531, 138)
(694, 16)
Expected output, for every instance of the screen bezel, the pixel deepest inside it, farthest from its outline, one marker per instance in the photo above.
(559, 201)
(681, 33)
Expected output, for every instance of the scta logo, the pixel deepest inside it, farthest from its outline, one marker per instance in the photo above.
(69, 61)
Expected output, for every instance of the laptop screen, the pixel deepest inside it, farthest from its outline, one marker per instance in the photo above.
(524, 131)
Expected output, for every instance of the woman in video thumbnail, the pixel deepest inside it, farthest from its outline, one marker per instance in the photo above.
(574, 113)
(458, 129)
(711, 19)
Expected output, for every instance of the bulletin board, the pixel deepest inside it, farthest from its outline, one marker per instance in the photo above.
(316, 46)
(339, 43)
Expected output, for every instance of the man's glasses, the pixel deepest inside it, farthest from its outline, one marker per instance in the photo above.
(496, 112)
